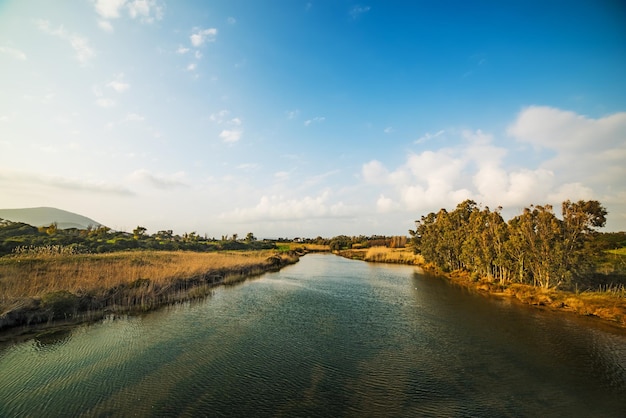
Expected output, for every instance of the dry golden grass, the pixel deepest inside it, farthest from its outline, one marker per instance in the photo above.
(296, 246)
(33, 277)
(384, 255)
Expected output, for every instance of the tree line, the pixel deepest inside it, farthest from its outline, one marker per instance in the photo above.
(535, 247)
(21, 237)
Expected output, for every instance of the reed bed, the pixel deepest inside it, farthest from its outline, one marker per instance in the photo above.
(51, 285)
(384, 255)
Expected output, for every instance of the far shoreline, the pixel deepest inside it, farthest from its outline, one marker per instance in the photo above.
(607, 307)
(71, 304)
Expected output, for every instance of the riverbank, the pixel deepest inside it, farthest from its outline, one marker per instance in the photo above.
(57, 288)
(609, 305)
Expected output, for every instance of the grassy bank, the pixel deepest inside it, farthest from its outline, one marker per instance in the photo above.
(384, 255)
(46, 287)
(608, 304)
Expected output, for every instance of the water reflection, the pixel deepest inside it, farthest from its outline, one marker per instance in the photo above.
(51, 339)
(326, 337)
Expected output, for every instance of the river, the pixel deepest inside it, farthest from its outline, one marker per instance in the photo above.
(325, 337)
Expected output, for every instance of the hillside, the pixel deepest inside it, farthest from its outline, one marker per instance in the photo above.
(45, 216)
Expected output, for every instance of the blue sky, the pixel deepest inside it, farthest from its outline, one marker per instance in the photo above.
(305, 118)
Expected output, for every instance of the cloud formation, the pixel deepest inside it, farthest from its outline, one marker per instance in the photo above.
(80, 45)
(159, 181)
(281, 208)
(586, 155)
(147, 11)
(13, 52)
(34, 180)
(200, 36)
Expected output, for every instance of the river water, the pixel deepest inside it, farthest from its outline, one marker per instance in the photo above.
(325, 337)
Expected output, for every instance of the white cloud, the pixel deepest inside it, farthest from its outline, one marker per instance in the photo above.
(146, 10)
(191, 67)
(109, 9)
(134, 117)
(583, 149)
(385, 204)
(104, 102)
(585, 160)
(119, 86)
(79, 44)
(15, 53)
(235, 121)
(197, 55)
(292, 114)
(182, 50)
(218, 117)
(200, 36)
(357, 11)
(317, 119)
(231, 135)
(159, 181)
(33, 180)
(281, 208)
(105, 25)
(428, 136)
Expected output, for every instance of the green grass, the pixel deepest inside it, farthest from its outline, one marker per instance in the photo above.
(619, 251)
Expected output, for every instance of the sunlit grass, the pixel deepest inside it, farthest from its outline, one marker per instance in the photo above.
(139, 277)
(384, 255)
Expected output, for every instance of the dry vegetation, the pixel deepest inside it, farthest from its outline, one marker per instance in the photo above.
(384, 255)
(46, 286)
(609, 304)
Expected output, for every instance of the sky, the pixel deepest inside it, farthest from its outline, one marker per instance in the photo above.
(290, 118)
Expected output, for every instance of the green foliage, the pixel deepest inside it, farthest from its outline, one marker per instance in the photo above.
(61, 304)
(23, 239)
(535, 247)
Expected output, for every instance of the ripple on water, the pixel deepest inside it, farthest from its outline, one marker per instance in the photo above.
(325, 337)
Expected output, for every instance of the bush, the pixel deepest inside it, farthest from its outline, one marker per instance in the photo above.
(61, 304)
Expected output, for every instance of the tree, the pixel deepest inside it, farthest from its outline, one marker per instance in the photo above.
(250, 238)
(139, 232)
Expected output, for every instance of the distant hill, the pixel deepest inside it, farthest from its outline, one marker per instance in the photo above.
(46, 216)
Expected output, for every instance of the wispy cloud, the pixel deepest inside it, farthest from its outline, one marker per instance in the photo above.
(317, 119)
(159, 181)
(119, 85)
(109, 9)
(219, 117)
(79, 44)
(65, 183)
(231, 135)
(147, 11)
(200, 36)
(282, 208)
(357, 11)
(428, 136)
(15, 53)
(105, 102)
(182, 50)
(105, 25)
(134, 117)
